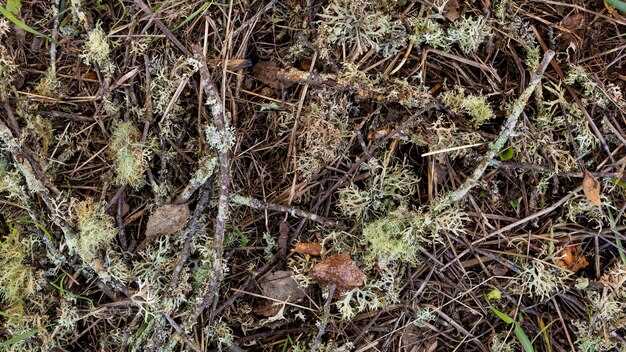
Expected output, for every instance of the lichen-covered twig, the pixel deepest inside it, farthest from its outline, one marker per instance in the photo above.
(220, 122)
(261, 205)
(497, 145)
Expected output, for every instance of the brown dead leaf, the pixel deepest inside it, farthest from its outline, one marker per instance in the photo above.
(573, 259)
(591, 188)
(280, 286)
(452, 10)
(340, 270)
(167, 220)
(310, 248)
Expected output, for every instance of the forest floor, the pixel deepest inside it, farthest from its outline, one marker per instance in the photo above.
(312, 175)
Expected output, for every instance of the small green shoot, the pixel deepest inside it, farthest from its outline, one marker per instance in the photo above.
(517, 329)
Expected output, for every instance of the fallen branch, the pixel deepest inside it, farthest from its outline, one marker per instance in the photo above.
(261, 205)
(497, 145)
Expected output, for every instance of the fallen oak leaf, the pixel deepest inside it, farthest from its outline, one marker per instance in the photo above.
(591, 188)
(339, 270)
(310, 248)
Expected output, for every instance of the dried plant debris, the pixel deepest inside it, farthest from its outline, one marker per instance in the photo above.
(200, 175)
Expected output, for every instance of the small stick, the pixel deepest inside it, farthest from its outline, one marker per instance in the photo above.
(315, 345)
(498, 144)
(261, 205)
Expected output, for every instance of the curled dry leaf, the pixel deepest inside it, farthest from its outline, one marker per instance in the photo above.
(572, 259)
(310, 248)
(591, 188)
(167, 220)
(280, 286)
(340, 270)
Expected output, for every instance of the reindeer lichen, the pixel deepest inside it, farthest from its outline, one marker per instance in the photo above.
(97, 51)
(129, 154)
(17, 279)
(96, 232)
(477, 107)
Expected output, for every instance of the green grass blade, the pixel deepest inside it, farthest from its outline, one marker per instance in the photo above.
(19, 23)
(502, 316)
(618, 4)
(14, 6)
(523, 338)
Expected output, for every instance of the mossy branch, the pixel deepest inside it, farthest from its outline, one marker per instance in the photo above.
(497, 145)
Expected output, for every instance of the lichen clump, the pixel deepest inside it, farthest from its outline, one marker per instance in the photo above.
(129, 154)
(17, 280)
(360, 25)
(323, 131)
(467, 32)
(96, 231)
(97, 51)
(476, 106)
(399, 235)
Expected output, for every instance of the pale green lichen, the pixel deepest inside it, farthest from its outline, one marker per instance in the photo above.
(359, 26)
(476, 106)
(221, 140)
(17, 279)
(97, 51)
(95, 232)
(469, 33)
(399, 235)
(387, 189)
(541, 280)
(428, 31)
(322, 132)
(49, 84)
(131, 157)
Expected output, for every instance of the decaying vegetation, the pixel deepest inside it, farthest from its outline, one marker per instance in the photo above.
(319, 175)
